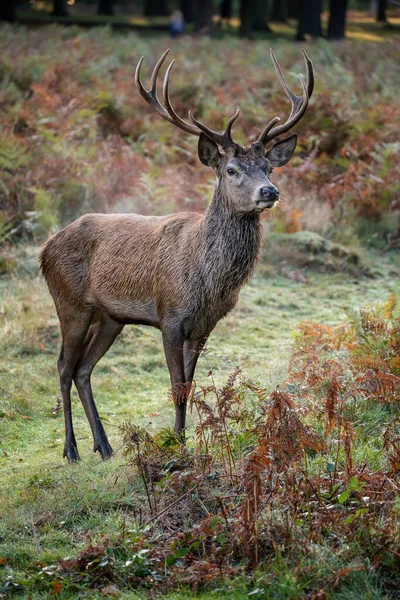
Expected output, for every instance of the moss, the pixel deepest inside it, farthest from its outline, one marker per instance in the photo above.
(309, 249)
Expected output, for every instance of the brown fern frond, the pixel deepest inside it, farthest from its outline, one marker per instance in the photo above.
(348, 436)
(367, 362)
(391, 443)
(385, 387)
(333, 396)
(389, 307)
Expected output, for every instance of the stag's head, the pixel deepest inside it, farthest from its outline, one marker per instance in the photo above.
(243, 173)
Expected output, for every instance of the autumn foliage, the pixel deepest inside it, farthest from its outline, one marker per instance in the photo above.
(77, 137)
(270, 475)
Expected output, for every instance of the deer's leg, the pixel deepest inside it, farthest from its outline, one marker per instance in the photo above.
(74, 327)
(173, 348)
(100, 338)
(191, 352)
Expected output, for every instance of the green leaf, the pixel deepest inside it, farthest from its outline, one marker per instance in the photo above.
(170, 560)
(330, 467)
(344, 496)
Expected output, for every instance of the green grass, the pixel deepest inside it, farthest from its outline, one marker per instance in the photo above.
(84, 141)
(51, 509)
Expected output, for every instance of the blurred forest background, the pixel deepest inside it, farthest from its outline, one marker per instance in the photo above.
(76, 136)
(201, 16)
(289, 484)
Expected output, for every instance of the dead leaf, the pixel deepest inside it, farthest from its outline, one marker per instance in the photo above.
(3, 560)
(57, 587)
(297, 276)
(110, 590)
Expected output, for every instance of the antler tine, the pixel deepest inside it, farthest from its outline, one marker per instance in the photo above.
(223, 139)
(299, 103)
(167, 112)
(310, 74)
(151, 96)
(176, 119)
(268, 128)
(156, 70)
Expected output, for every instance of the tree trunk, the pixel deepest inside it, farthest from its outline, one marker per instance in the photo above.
(59, 8)
(155, 8)
(293, 9)
(260, 15)
(203, 16)
(381, 11)
(225, 9)
(105, 7)
(309, 19)
(280, 11)
(188, 10)
(7, 11)
(246, 15)
(337, 19)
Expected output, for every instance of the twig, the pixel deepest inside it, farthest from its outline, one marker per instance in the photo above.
(170, 505)
(35, 536)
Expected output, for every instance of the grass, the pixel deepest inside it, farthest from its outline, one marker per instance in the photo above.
(75, 138)
(51, 509)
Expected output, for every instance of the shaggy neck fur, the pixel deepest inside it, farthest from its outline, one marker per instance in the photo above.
(228, 247)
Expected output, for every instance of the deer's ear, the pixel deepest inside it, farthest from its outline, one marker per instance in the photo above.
(282, 152)
(208, 151)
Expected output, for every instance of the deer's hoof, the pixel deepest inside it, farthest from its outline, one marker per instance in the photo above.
(71, 453)
(104, 448)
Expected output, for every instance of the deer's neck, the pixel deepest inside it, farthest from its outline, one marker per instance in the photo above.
(229, 247)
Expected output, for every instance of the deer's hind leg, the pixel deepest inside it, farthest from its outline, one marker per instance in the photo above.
(99, 339)
(74, 327)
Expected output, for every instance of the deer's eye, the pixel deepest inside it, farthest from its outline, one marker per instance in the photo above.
(231, 171)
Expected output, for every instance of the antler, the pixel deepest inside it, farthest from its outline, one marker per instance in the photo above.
(299, 103)
(167, 112)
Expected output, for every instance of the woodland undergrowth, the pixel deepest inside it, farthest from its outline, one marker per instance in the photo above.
(75, 137)
(286, 475)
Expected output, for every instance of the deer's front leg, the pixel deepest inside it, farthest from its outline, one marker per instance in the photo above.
(191, 352)
(173, 348)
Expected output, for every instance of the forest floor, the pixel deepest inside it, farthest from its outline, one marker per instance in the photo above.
(76, 138)
(51, 509)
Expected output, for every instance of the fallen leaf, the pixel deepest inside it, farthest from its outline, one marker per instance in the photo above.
(110, 590)
(297, 276)
(3, 560)
(57, 586)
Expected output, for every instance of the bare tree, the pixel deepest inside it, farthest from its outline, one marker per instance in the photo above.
(155, 8)
(246, 18)
(7, 11)
(260, 16)
(337, 19)
(280, 11)
(188, 10)
(59, 8)
(225, 9)
(309, 19)
(105, 7)
(203, 16)
(381, 10)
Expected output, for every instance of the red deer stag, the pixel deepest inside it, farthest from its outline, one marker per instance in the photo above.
(181, 273)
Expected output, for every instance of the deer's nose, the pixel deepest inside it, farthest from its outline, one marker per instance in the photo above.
(269, 192)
